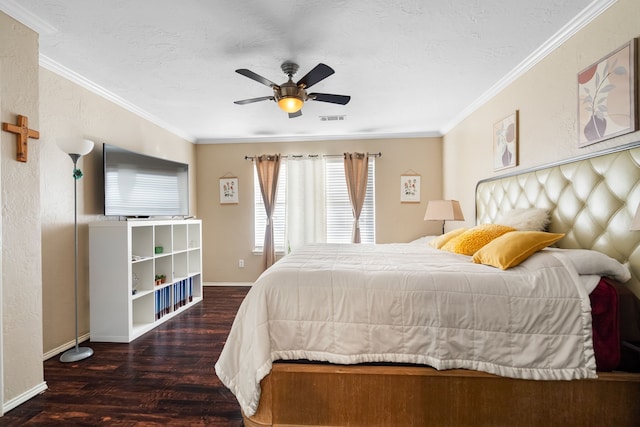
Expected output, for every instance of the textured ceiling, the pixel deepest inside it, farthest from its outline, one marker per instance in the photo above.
(411, 67)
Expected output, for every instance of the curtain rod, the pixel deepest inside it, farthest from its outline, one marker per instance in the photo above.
(297, 156)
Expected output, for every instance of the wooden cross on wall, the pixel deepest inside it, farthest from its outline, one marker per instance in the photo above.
(24, 133)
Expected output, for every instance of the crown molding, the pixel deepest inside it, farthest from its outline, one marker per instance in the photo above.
(328, 137)
(572, 27)
(80, 80)
(20, 14)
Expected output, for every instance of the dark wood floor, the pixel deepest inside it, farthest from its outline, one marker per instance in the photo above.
(165, 377)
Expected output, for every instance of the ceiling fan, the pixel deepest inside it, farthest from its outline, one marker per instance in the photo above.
(291, 96)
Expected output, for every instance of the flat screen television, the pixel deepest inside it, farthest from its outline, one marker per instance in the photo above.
(137, 185)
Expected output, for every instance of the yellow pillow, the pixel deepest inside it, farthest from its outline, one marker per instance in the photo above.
(440, 241)
(511, 249)
(474, 238)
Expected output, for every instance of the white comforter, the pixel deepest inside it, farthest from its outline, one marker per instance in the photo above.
(411, 304)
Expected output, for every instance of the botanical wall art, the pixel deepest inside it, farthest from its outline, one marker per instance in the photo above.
(607, 97)
(410, 188)
(505, 142)
(228, 190)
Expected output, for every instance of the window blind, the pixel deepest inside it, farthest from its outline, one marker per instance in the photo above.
(279, 215)
(339, 212)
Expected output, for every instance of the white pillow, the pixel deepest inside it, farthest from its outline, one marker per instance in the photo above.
(526, 219)
(422, 240)
(588, 262)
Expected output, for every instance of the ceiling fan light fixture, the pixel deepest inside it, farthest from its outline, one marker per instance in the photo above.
(290, 104)
(291, 96)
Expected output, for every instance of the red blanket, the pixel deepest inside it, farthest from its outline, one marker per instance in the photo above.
(606, 330)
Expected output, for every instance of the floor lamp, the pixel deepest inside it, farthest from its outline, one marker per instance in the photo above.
(76, 149)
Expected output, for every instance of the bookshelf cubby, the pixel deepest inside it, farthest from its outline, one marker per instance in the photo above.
(125, 260)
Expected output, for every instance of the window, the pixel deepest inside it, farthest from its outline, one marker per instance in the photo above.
(339, 217)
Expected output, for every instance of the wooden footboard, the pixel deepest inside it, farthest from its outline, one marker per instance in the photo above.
(296, 394)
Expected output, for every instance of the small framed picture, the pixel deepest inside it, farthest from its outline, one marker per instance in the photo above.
(410, 189)
(505, 142)
(228, 190)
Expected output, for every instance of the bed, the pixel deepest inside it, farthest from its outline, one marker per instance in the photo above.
(398, 378)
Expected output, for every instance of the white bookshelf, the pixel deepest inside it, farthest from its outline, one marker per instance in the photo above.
(125, 300)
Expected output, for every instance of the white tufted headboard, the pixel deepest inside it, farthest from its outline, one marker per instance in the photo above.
(592, 199)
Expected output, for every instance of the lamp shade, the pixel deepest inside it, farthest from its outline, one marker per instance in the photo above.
(635, 223)
(443, 210)
(75, 146)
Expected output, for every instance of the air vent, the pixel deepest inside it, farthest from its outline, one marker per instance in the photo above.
(331, 118)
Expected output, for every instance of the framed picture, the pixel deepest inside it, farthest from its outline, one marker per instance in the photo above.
(607, 96)
(228, 190)
(505, 142)
(410, 188)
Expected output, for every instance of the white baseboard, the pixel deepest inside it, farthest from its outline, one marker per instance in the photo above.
(64, 347)
(227, 284)
(19, 400)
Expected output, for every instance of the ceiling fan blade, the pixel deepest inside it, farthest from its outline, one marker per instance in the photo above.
(249, 101)
(296, 114)
(327, 97)
(320, 72)
(256, 77)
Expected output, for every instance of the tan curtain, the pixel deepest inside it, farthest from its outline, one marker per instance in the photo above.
(356, 171)
(267, 168)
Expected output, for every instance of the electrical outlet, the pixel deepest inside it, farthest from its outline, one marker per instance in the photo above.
(240, 263)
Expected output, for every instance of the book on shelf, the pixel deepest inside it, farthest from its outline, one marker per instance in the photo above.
(163, 302)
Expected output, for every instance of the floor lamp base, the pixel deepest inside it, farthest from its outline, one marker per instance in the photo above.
(75, 354)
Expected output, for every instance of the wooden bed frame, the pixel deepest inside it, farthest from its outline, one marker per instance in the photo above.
(310, 394)
(296, 394)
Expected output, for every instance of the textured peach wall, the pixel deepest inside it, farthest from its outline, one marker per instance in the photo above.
(228, 229)
(21, 282)
(70, 111)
